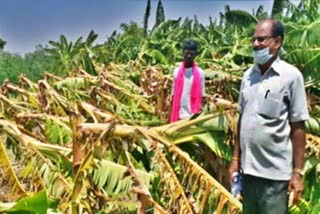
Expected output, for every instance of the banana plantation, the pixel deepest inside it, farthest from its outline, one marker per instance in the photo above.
(93, 136)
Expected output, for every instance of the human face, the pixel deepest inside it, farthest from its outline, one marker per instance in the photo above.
(263, 38)
(188, 56)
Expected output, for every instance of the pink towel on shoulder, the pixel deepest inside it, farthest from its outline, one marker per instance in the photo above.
(195, 95)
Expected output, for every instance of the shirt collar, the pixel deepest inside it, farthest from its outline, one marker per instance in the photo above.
(275, 66)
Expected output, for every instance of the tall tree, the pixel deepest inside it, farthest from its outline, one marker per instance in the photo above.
(146, 17)
(160, 14)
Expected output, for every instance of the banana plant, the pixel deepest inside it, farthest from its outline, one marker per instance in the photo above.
(69, 55)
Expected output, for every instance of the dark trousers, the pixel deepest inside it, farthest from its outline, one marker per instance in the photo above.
(264, 196)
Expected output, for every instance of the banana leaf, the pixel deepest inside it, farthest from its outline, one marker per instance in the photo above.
(34, 204)
(214, 140)
(113, 179)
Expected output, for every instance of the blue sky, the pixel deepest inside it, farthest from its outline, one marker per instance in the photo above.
(27, 23)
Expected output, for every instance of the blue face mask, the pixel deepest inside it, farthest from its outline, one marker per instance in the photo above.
(262, 56)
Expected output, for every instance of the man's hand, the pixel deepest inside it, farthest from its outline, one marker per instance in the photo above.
(298, 138)
(234, 167)
(296, 187)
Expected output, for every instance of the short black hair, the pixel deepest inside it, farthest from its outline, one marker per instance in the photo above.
(190, 45)
(277, 29)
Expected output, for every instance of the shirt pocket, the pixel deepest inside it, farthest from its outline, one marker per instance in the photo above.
(270, 105)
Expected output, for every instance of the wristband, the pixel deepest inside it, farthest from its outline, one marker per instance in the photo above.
(235, 158)
(298, 171)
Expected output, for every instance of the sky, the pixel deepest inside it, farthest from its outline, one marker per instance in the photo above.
(24, 24)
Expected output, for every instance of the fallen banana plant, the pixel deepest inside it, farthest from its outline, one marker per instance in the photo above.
(96, 144)
(8, 172)
(179, 201)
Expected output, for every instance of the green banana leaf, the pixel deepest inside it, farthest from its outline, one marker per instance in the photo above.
(34, 204)
(213, 139)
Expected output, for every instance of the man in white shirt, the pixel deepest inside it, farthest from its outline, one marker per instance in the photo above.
(271, 136)
(188, 89)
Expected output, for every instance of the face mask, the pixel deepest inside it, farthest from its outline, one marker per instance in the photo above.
(262, 56)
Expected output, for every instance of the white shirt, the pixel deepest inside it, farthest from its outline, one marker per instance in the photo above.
(185, 105)
(268, 103)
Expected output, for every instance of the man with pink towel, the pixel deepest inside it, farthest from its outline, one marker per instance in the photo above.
(188, 89)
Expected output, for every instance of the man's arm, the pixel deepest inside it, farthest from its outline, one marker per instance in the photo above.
(235, 161)
(298, 138)
(236, 156)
